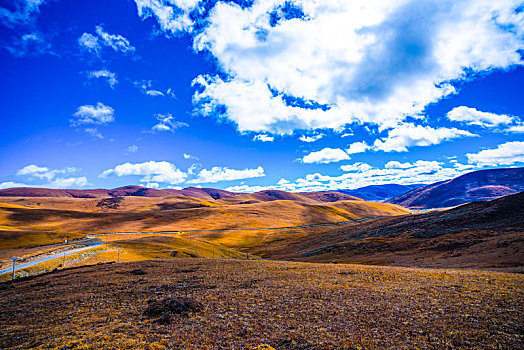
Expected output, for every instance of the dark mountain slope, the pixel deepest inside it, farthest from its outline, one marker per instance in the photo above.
(479, 185)
(380, 192)
(488, 235)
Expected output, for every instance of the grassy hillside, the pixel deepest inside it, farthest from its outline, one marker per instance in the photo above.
(233, 304)
(486, 235)
(83, 216)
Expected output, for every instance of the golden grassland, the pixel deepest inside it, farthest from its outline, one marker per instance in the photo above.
(166, 214)
(245, 304)
(26, 223)
(125, 248)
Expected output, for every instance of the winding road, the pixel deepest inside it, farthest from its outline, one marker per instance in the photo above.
(89, 245)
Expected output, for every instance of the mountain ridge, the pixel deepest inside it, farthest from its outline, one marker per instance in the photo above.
(480, 185)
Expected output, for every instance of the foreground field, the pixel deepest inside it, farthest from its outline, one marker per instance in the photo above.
(233, 304)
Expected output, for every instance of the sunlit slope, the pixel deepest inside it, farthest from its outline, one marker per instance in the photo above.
(145, 214)
(109, 204)
(362, 209)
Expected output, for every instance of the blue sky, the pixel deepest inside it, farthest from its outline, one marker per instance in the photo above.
(296, 95)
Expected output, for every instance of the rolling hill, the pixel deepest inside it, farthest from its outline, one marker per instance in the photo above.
(126, 191)
(31, 221)
(486, 235)
(479, 185)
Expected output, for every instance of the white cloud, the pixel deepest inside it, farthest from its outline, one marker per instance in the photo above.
(171, 93)
(166, 122)
(505, 154)
(10, 184)
(311, 138)
(397, 165)
(358, 166)
(151, 171)
(407, 135)
(172, 15)
(89, 42)
(189, 156)
(250, 189)
(367, 61)
(326, 155)
(70, 182)
(32, 169)
(263, 138)
(132, 149)
(217, 174)
(98, 115)
(115, 41)
(154, 93)
(43, 172)
(475, 117)
(104, 73)
(50, 175)
(517, 129)
(146, 86)
(358, 147)
(362, 174)
(94, 43)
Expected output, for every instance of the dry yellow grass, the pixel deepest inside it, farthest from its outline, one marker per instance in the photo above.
(245, 304)
(153, 214)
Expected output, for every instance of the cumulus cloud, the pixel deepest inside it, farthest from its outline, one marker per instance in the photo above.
(326, 155)
(172, 15)
(517, 129)
(358, 166)
(397, 165)
(311, 138)
(362, 174)
(34, 171)
(407, 135)
(505, 154)
(326, 64)
(70, 182)
(189, 156)
(115, 41)
(474, 117)
(104, 73)
(217, 174)
(43, 172)
(166, 122)
(89, 42)
(97, 115)
(94, 43)
(358, 147)
(151, 171)
(11, 184)
(263, 138)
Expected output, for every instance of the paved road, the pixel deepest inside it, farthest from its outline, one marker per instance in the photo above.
(89, 245)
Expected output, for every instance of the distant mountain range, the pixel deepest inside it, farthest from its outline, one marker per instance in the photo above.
(380, 193)
(126, 191)
(481, 185)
